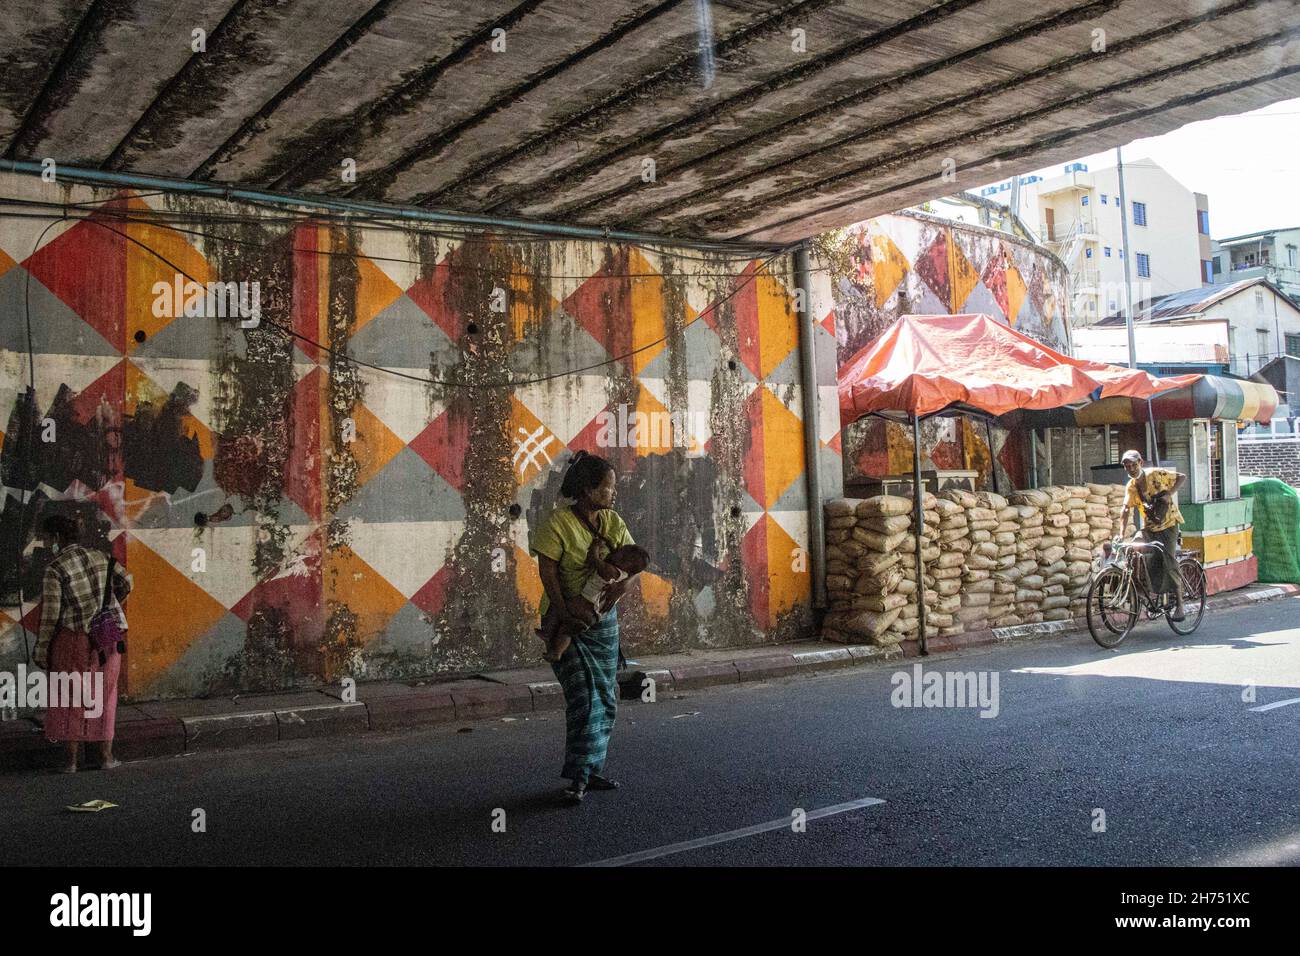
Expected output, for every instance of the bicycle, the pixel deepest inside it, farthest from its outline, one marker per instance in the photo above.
(1119, 593)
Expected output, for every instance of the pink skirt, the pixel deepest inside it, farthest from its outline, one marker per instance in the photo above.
(70, 653)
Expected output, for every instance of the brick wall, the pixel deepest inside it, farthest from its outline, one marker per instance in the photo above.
(1271, 459)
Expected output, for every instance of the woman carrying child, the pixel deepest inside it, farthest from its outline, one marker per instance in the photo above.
(587, 667)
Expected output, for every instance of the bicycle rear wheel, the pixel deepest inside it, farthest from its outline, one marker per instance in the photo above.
(1112, 607)
(1193, 577)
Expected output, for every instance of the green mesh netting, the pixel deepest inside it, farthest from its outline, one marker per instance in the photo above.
(1277, 529)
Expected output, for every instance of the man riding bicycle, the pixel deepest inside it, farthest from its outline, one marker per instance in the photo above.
(1153, 493)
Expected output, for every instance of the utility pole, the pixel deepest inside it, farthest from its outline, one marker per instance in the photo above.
(1128, 255)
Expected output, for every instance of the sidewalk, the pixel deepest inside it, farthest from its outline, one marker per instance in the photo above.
(174, 727)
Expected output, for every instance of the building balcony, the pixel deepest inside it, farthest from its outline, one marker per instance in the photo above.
(1060, 233)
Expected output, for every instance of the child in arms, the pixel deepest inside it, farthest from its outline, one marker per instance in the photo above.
(620, 564)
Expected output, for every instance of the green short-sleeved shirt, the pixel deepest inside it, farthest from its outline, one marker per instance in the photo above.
(564, 538)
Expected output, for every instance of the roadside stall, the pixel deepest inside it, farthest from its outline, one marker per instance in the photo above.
(957, 559)
(1195, 429)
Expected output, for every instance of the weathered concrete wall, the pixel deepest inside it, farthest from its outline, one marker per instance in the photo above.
(291, 516)
(911, 263)
(1271, 459)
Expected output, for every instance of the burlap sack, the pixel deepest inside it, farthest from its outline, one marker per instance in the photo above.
(973, 574)
(883, 583)
(883, 505)
(943, 574)
(880, 542)
(1051, 541)
(1078, 569)
(838, 507)
(1049, 556)
(844, 522)
(948, 603)
(939, 620)
(1058, 614)
(948, 586)
(874, 563)
(1080, 529)
(952, 631)
(977, 587)
(1034, 497)
(1059, 578)
(964, 498)
(973, 616)
(949, 559)
(949, 509)
(978, 562)
(836, 535)
(991, 499)
(862, 623)
(887, 525)
(839, 582)
(880, 602)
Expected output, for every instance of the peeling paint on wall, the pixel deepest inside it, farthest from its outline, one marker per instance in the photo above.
(292, 516)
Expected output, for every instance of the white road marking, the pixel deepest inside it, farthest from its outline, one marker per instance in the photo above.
(1274, 705)
(780, 824)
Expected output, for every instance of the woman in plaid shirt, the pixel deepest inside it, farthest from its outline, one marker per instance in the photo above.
(73, 590)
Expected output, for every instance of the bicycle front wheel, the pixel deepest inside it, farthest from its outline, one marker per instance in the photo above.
(1112, 607)
(1193, 579)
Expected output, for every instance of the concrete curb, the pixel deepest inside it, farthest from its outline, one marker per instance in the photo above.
(171, 728)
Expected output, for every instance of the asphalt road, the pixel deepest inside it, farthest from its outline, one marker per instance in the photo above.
(1156, 735)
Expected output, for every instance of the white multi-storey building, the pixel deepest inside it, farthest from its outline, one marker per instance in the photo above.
(1078, 217)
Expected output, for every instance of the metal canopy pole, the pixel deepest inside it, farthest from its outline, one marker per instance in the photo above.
(919, 524)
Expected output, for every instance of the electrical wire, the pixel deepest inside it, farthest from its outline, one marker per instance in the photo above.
(513, 383)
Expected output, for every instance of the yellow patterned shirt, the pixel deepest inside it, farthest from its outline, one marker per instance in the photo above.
(1155, 480)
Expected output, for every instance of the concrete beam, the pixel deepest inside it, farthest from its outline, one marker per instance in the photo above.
(123, 55)
(247, 58)
(751, 134)
(317, 108)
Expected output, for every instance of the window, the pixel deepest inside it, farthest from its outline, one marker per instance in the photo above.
(1087, 253)
(1218, 265)
(1203, 221)
(1083, 201)
(1259, 300)
(1121, 253)
(1290, 256)
(1144, 265)
(1103, 199)
(1105, 251)
(1207, 271)
(1293, 345)
(1139, 214)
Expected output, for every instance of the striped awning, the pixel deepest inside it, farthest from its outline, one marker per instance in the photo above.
(1210, 396)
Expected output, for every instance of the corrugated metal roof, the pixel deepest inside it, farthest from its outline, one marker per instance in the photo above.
(1190, 302)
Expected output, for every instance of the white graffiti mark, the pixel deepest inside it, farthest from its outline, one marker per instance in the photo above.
(529, 447)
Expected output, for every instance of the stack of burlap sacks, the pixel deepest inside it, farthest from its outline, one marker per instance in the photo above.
(871, 568)
(990, 561)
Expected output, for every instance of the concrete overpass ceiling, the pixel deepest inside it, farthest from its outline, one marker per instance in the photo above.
(753, 138)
